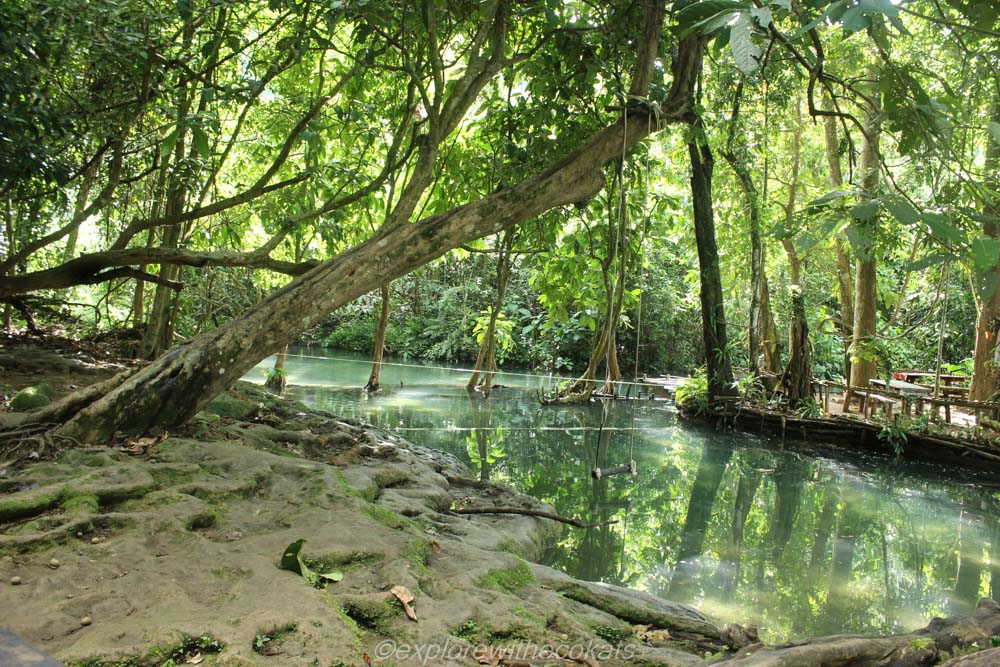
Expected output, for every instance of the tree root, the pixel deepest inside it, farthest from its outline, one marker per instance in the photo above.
(927, 646)
(531, 512)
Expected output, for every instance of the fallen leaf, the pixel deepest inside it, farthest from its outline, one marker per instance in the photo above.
(196, 659)
(292, 561)
(368, 660)
(435, 547)
(405, 597)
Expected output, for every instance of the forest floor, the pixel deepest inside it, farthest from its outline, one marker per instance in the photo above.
(168, 550)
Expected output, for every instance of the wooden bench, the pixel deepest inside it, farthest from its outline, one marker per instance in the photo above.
(873, 402)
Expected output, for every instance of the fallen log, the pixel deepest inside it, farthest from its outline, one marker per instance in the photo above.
(939, 641)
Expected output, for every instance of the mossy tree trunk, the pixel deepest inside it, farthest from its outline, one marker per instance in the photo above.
(985, 375)
(713, 316)
(277, 379)
(762, 336)
(169, 391)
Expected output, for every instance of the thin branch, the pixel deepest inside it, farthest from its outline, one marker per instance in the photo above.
(531, 512)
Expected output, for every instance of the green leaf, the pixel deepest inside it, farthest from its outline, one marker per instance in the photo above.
(292, 561)
(928, 261)
(901, 209)
(168, 143)
(828, 198)
(707, 16)
(782, 4)
(985, 253)
(745, 52)
(201, 141)
(866, 211)
(987, 284)
(995, 131)
(184, 9)
(942, 229)
(762, 15)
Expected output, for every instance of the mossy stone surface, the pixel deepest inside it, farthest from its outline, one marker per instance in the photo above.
(32, 398)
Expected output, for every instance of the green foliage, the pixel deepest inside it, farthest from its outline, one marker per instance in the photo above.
(692, 392)
(162, 656)
(894, 435)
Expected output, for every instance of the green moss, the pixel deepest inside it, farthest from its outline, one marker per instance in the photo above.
(31, 398)
(354, 559)
(267, 642)
(529, 616)
(203, 521)
(419, 554)
(229, 407)
(386, 517)
(372, 615)
(472, 631)
(28, 503)
(511, 579)
(160, 656)
(83, 503)
(388, 478)
(613, 633)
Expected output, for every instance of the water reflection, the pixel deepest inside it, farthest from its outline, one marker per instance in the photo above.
(734, 523)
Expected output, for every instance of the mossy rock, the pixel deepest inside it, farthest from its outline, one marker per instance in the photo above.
(510, 579)
(233, 408)
(32, 398)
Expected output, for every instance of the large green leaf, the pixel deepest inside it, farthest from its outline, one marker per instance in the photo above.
(942, 229)
(928, 261)
(866, 211)
(985, 253)
(745, 52)
(902, 210)
(995, 131)
(292, 561)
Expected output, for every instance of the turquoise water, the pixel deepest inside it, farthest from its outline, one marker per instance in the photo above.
(747, 528)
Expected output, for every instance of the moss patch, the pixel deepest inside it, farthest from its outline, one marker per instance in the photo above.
(268, 642)
(233, 408)
(160, 656)
(372, 615)
(32, 398)
(386, 517)
(511, 579)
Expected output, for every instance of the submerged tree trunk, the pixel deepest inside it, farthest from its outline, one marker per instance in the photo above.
(985, 374)
(713, 316)
(864, 359)
(378, 349)
(173, 388)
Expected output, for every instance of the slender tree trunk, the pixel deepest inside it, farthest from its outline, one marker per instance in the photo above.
(845, 271)
(789, 479)
(381, 325)
(864, 361)
(970, 559)
(487, 348)
(824, 527)
(797, 378)
(169, 391)
(985, 375)
(720, 372)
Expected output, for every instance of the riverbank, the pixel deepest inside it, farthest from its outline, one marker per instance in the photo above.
(168, 547)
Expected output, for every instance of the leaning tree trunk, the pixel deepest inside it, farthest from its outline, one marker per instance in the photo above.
(171, 390)
(378, 351)
(985, 374)
(864, 361)
(713, 316)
